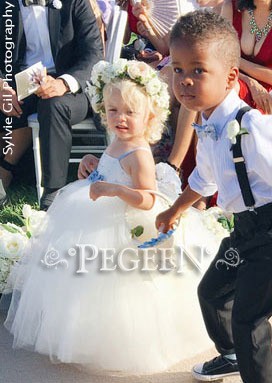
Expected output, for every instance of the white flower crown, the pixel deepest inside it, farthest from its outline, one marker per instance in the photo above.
(104, 73)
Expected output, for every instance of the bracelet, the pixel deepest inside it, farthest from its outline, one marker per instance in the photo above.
(178, 170)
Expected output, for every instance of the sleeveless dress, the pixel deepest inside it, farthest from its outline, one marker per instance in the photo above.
(264, 58)
(135, 322)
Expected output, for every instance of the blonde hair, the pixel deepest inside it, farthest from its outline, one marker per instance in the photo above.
(136, 98)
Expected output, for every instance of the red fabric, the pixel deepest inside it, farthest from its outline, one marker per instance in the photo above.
(132, 20)
(264, 57)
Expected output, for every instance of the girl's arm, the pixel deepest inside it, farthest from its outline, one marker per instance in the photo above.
(140, 165)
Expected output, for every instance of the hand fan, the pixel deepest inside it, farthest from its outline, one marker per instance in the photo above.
(161, 14)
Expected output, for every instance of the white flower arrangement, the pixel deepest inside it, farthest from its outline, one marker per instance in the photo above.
(234, 129)
(213, 218)
(13, 240)
(103, 73)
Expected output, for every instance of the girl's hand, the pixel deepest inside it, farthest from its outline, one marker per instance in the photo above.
(86, 166)
(167, 219)
(260, 95)
(101, 188)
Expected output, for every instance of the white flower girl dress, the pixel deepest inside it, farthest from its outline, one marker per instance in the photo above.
(139, 322)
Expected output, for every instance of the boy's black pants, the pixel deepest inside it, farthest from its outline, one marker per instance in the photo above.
(236, 300)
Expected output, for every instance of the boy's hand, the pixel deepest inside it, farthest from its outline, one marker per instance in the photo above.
(101, 188)
(86, 166)
(167, 219)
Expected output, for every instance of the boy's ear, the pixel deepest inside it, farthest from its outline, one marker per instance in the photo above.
(232, 77)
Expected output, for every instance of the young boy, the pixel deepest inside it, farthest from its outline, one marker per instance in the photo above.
(236, 292)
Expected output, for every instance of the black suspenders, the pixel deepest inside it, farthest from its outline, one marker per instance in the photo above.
(240, 167)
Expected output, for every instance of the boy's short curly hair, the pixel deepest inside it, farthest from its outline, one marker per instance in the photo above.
(204, 27)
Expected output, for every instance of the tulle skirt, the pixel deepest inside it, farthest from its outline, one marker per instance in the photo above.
(67, 305)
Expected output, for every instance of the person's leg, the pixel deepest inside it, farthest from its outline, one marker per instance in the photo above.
(56, 117)
(15, 137)
(216, 293)
(21, 139)
(251, 311)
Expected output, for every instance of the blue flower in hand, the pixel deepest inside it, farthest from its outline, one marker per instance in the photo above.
(155, 241)
(95, 176)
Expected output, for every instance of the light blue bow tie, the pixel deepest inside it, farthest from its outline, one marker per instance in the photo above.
(207, 130)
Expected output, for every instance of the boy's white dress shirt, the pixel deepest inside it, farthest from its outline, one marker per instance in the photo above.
(215, 168)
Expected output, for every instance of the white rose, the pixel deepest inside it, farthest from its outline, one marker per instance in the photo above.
(57, 4)
(38, 223)
(119, 66)
(107, 75)
(27, 211)
(15, 245)
(97, 71)
(153, 87)
(232, 130)
(3, 234)
(140, 69)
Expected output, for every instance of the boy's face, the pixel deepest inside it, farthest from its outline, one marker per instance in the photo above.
(201, 81)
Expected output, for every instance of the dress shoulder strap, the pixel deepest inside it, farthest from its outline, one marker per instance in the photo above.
(132, 151)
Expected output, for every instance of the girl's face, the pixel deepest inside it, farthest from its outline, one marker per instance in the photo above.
(125, 122)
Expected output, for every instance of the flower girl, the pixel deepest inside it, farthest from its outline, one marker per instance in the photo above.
(77, 296)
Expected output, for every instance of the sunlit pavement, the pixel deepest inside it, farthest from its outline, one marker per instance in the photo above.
(20, 366)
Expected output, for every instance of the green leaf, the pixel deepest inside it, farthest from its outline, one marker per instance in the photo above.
(242, 131)
(224, 222)
(10, 228)
(28, 234)
(137, 231)
(232, 221)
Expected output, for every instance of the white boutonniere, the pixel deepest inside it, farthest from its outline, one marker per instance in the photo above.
(57, 4)
(234, 130)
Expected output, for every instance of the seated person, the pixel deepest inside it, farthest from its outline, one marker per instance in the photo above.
(255, 80)
(68, 43)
